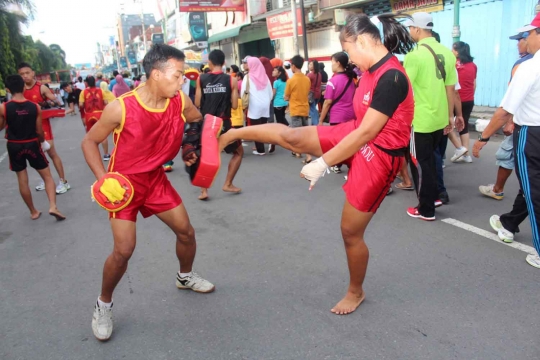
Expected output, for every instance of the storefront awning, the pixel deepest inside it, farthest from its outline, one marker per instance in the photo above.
(225, 35)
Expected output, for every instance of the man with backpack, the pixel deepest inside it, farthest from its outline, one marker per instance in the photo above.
(93, 102)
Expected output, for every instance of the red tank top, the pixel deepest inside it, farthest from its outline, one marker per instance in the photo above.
(93, 100)
(34, 93)
(147, 138)
(397, 131)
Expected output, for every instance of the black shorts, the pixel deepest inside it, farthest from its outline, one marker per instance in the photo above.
(19, 152)
(231, 148)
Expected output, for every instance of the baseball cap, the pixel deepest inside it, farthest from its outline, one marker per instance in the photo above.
(534, 24)
(519, 36)
(420, 20)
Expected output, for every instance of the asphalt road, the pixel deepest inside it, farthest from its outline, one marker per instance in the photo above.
(275, 254)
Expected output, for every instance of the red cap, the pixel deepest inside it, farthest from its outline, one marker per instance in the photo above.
(534, 24)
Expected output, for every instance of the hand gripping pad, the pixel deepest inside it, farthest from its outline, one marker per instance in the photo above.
(113, 192)
(205, 170)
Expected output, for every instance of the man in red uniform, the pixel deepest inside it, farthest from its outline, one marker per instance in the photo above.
(39, 93)
(24, 134)
(148, 125)
(373, 145)
(93, 101)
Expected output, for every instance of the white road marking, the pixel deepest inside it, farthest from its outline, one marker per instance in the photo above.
(3, 156)
(489, 235)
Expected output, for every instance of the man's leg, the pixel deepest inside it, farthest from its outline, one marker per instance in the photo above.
(50, 189)
(24, 189)
(439, 153)
(502, 176)
(353, 226)
(427, 189)
(298, 140)
(56, 160)
(234, 165)
(177, 220)
(105, 145)
(510, 221)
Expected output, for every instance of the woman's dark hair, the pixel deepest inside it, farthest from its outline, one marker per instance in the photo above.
(240, 75)
(343, 59)
(396, 37)
(235, 69)
(282, 73)
(316, 68)
(464, 52)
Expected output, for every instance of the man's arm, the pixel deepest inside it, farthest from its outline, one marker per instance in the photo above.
(288, 89)
(234, 96)
(198, 94)
(450, 93)
(191, 113)
(2, 118)
(81, 99)
(39, 125)
(46, 92)
(110, 120)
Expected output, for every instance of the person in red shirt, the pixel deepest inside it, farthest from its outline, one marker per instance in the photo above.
(315, 77)
(148, 125)
(373, 145)
(40, 94)
(467, 80)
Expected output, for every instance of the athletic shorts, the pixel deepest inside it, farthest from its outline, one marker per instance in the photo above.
(371, 170)
(20, 152)
(231, 148)
(47, 129)
(91, 119)
(153, 194)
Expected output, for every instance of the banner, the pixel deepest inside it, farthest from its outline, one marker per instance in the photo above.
(212, 5)
(412, 6)
(281, 25)
(197, 26)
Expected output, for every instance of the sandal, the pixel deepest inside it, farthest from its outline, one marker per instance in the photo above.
(402, 186)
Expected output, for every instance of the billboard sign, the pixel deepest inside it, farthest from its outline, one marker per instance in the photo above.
(281, 25)
(412, 6)
(197, 26)
(212, 5)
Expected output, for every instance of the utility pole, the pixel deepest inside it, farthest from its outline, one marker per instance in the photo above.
(456, 32)
(295, 27)
(304, 30)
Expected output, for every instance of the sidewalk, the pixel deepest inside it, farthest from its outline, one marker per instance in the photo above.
(480, 112)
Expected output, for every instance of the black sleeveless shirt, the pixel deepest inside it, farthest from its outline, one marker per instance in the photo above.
(216, 95)
(21, 120)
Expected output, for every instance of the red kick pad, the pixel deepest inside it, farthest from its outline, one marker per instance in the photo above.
(210, 159)
(54, 112)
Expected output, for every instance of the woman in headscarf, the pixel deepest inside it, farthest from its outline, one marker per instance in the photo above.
(120, 88)
(269, 69)
(260, 95)
(107, 94)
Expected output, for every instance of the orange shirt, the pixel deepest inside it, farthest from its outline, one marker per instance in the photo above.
(297, 90)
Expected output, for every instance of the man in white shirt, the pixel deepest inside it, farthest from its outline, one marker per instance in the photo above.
(79, 84)
(522, 101)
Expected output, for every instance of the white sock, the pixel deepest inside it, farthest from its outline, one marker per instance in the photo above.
(184, 275)
(101, 303)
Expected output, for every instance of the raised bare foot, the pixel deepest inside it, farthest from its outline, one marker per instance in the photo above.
(224, 140)
(35, 215)
(231, 188)
(57, 214)
(204, 195)
(348, 304)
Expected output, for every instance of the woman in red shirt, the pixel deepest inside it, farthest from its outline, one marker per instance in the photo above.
(315, 77)
(467, 80)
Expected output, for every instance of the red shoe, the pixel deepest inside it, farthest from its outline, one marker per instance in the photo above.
(413, 212)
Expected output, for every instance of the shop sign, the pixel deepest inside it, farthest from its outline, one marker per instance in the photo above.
(212, 5)
(412, 6)
(281, 25)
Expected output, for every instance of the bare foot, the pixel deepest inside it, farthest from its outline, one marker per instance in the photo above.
(204, 195)
(348, 304)
(35, 215)
(224, 140)
(57, 214)
(231, 188)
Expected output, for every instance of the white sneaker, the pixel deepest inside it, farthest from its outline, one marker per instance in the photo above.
(345, 177)
(40, 186)
(467, 159)
(459, 153)
(62, 187)
(194, 282)
(504, 235)
(255, 152)
(487, 190)
(102, 322)
(533, 260)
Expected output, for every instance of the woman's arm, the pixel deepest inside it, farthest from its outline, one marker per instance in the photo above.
(325, 110)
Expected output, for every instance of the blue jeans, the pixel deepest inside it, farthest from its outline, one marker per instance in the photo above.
(314, 112)
(439, 153)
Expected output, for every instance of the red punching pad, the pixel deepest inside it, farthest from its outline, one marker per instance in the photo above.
(210, 159)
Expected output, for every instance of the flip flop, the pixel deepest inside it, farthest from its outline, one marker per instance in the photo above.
(401, 186)
(57, 216)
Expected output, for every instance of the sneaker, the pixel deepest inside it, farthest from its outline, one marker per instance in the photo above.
(167, 168)
(271, 148)
(533, 260)
(438, 203)
(62, 187)
(40, 186)
(195, 283)
(413, 212)
(504, 235)
(335, 169)
(443, 166)
(459, 154)
(464, 159)
(102, 322)
(106, 157)
(487, 190)
(444, 198)
(258, 153)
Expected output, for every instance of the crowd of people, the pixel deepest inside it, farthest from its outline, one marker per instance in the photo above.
(380, 117)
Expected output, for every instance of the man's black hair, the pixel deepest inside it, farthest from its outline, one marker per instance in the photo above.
(64, 85)
(235, 69)
(217, 57)
(79, 78)
(125, 75)
(23, 65)
(297, 61)
(158, 56)
(15, 84)
(115, 72)
(91, 81)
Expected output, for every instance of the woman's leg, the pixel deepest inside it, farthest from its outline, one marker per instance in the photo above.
(464, 134)
(298, 140)
(353, 226)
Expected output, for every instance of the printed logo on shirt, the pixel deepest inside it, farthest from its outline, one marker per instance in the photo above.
(214, 88)
(21, 112)
(367, 97)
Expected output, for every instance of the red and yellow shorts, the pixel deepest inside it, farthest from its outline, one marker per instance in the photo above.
(90, 119)
(47, 129)
(371, 170)
(152, 194)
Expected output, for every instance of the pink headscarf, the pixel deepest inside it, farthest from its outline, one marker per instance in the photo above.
(120, 88)
(257, 73)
